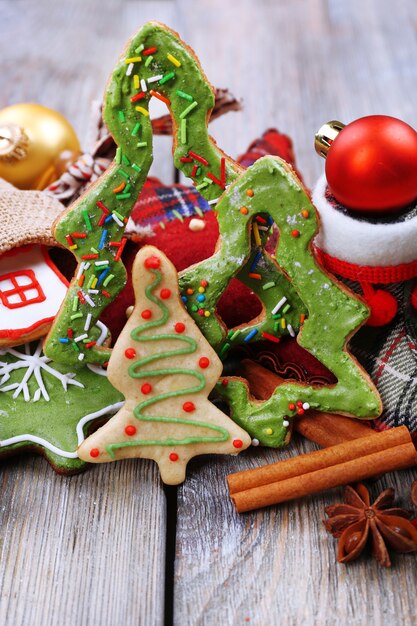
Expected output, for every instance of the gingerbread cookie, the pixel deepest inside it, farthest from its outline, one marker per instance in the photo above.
(165, 369)
(327, 313)
(156, 64)
(46, 408)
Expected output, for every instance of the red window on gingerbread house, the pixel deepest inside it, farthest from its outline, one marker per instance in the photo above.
(19, 289)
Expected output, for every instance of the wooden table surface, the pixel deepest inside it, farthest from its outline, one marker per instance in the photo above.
(111, 547)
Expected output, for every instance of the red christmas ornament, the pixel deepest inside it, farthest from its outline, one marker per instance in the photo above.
(371, 164)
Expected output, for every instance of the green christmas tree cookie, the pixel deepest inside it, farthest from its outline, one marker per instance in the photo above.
(166, 370)
(155, 64)
(331, 313)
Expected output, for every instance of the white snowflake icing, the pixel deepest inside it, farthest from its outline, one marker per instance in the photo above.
(35, 365)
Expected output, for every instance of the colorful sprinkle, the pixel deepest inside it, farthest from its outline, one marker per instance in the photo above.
(188, 110)
(250, 335)
(173, 60)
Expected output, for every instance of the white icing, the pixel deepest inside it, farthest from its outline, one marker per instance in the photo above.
(53, 286)
(360, 242)
(34, 364)
(104, 330)
(107, 410)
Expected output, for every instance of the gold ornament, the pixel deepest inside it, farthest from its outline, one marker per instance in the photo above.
(32, 140)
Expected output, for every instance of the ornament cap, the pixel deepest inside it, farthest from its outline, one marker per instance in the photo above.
(14, 143)
(326, 135)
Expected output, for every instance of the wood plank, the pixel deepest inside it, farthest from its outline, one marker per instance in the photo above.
(85, 549)
(296, 65)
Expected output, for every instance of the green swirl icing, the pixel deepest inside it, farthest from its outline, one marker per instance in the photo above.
(135, 371)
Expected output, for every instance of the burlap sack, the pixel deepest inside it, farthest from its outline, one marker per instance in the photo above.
(26, 217)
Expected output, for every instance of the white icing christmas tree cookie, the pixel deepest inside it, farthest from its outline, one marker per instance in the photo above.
(166, 370)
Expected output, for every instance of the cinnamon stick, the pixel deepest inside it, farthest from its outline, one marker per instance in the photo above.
(328, 457)
(317, 471)
(324, 429)
(396, 458)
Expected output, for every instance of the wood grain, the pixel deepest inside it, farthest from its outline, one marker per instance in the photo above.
(87, 549)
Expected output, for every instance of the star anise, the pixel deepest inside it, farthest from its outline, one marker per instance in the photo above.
(357, 522)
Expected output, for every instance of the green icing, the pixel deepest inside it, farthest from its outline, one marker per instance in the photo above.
(42, 424)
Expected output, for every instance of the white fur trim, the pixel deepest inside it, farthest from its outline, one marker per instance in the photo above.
(360, 242)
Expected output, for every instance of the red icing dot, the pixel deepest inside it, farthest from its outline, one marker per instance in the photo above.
(200, 311)
(225, 382)
(299, 403)
(204, 283)
(238, 443)
(146, 314)
(291, 406)
(130, 430)
(173, 456)
(295, 233)
(179, 327)
(188, 407)
(204, 362)
(300, 411)
(130, 353)
(152, 262)
(165, 294)
(94, 452)
(146, 388)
